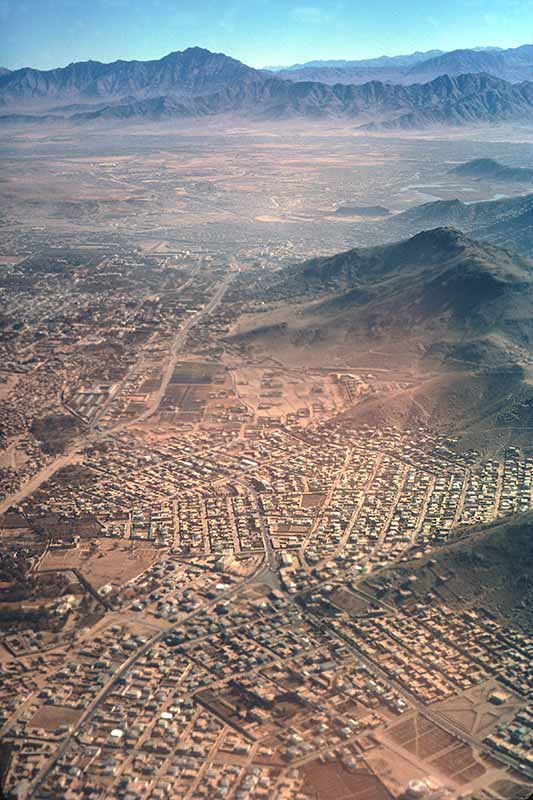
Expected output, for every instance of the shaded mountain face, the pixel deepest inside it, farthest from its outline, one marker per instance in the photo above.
(467, 215)
(488, 169)
(515, 233)
(507, 222)
(198, 83)
(514, 65)
(492, 568)
(439, 293)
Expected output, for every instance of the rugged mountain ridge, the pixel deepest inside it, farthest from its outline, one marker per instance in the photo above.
(467, 215)
(199, 83)
(192, 72)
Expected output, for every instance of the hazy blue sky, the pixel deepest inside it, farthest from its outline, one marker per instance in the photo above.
(49, 33)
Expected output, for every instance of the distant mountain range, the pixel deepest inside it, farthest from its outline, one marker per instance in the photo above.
(507, 222)
(196, 83)
(381, 61)
(514, 64)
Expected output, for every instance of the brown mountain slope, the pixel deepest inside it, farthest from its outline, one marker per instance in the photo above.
(439, 294)
(455, 311)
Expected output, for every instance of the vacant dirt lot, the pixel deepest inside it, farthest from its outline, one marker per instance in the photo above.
(104, 561)
(51, 717)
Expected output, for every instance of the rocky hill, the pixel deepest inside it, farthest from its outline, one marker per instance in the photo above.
(441, 254)
(486, 169)
(507, 222)
(439, 301)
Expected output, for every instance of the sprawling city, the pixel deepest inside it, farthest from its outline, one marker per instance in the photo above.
(266, 448)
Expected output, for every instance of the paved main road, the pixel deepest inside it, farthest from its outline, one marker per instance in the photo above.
(39, 478)
(177, 347)
(270, 553)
